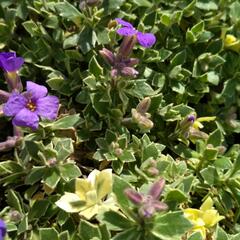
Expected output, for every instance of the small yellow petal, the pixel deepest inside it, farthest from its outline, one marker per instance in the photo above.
(82, 186)
(206, 119)
(89, 212)
(197, 124)
(103, 183)
(208, 204)
(229, 39)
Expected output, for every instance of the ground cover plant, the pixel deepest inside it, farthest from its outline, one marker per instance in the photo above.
(119, 120)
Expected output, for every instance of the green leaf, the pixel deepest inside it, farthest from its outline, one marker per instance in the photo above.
(210, 175)
(115, 221)
(64, 148)
(48, 234)
(23, 225)
(32, 28)
(142, 3)
(206, 5)
(221, 234)
(51, 177)
(87, 39)
(111, 5)
(66, 122)
(35, 175)
(163, 226)
(235, 12)
(88, 230)
(8, 167)
(38, 209)
(215, 138)
(95, 68)
(67, 10)
(130, 234)
(69, 171)
(14, 200)
(119, 185)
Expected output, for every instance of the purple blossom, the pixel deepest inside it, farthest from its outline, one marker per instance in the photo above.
(149, 203)
(28, 106)
(147, 40)
(3, 229)
(9, 62)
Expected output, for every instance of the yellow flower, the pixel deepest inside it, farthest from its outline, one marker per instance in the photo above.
(89, 195)
(198, 122)
(204, 218)
(231, 42)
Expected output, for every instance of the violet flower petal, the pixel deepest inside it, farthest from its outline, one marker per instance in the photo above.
(47, 107)
(126, 31)
(12, 64)
(146, 39)
(3, 229)
(36, 91)
(15, 103)
(124, 23)
(26, 118)
(5, 55)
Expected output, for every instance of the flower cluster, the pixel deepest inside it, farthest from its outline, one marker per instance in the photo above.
(203, 219)
(149, 203)
(121, 63)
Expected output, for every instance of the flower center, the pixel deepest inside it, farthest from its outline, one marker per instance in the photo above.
(31, 106)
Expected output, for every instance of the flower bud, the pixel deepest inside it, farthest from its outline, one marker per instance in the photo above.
(129, 72)
(15, 216)
(92, 3)
(133, 196)
(118, 152)
(144, 105)
(108, 56)
(153, 171)
(157, 188)
(126, 46)
(131, 61)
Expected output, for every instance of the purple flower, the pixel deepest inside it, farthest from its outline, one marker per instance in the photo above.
(148, 204)
(9, 62)
(145, 39)
(28, 106)
(3, 229)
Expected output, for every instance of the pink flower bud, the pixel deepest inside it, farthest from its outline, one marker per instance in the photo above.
(157, 188)
(133, 196)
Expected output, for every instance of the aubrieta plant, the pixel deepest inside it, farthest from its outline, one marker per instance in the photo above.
(119, 120)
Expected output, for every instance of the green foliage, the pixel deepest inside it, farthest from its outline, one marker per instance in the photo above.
(192, 70)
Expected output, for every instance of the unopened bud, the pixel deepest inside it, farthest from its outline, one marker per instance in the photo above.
(15, 216)
(108, 56)
(133, 196)
(52, 162)
(92, 3)
(144, 105)
(157, 188)
(153, 171)
(118, 152)
(131, 62)
(129, 72)
(126, 46)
